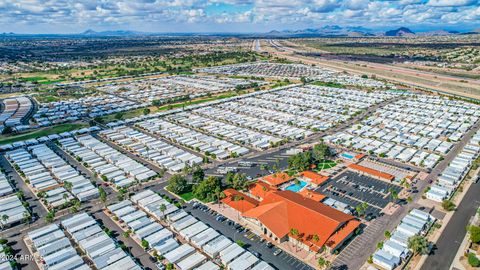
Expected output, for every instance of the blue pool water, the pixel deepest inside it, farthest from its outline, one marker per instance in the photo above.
(296, 187)
(346, 155)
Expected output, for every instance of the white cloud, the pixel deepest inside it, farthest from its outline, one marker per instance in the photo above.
(451, 3)
(278, 14)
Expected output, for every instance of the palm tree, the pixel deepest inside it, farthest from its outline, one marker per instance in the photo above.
(4, 220)
(27, 217)
(294, 232)
(264, 191)
(163, 208)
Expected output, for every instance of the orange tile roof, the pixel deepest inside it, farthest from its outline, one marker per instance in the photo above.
(277, 179)
(371, 171)
(260, 189)
(315, 178)
(359, 156)
(238, 200)
(340, 235)
(282, 211)
(310, 194)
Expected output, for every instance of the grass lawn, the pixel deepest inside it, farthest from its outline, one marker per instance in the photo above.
(40, 133)
(187, 196)
(326, 164)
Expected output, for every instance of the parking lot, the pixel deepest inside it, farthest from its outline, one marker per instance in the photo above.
(254, 243)
(353, 189)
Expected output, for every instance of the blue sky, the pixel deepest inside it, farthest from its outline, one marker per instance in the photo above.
(68, 16)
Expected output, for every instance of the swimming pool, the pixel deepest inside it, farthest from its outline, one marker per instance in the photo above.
(296, 187)
(347, 156)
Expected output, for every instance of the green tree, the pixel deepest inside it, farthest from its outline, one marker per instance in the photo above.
(322, 263)
(4, 220)
(474, 233)
(103, 195)
(473, 260)
(145, 244)
(448, 205)
(198, 174)
(50, 216)
(205, 190)
(68, 185)
(239, 181)
(163, 208)
(387, 234)
(418, 244)
(178, 184)
(146, 111)
(119, 115)
(320, 152)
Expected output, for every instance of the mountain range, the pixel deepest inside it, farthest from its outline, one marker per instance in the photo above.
(324, 31)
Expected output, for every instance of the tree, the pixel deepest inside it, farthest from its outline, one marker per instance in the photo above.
(4, 219)
(300, 161)
(229, 178)
(474, 233)
(387, 234)
(178, 184)
(323, 263)
(7, 130)
(198, 174)
(448, 205)
(205, 190)
(146, 111)
(50, 216)
(218, 194)
(418, 244)
(239, 181)
(68, 185)
(98, 119)
(320, 152)
(145, 244)
(119, 115)
(102, 194)
(473, 260)
(162, 208)
(27, 217)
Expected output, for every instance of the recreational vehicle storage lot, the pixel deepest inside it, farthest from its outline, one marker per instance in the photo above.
(292, 71)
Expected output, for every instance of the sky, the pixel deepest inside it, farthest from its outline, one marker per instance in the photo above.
(253, 16)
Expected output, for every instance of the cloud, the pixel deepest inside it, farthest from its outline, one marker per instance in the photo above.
(451, 3)
(160, 15)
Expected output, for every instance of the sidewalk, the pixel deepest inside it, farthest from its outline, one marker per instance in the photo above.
(446, 219)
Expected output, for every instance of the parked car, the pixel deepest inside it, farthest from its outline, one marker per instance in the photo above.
(277, 252)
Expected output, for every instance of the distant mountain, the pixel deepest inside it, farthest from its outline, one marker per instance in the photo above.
(327, 30)
(91, 32)
(437, 33)
(400, 32)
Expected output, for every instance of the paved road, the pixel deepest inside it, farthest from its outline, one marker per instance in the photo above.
(135, 249)
(19, 184)
(269, 157)
(455, 231)
(354, 255)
